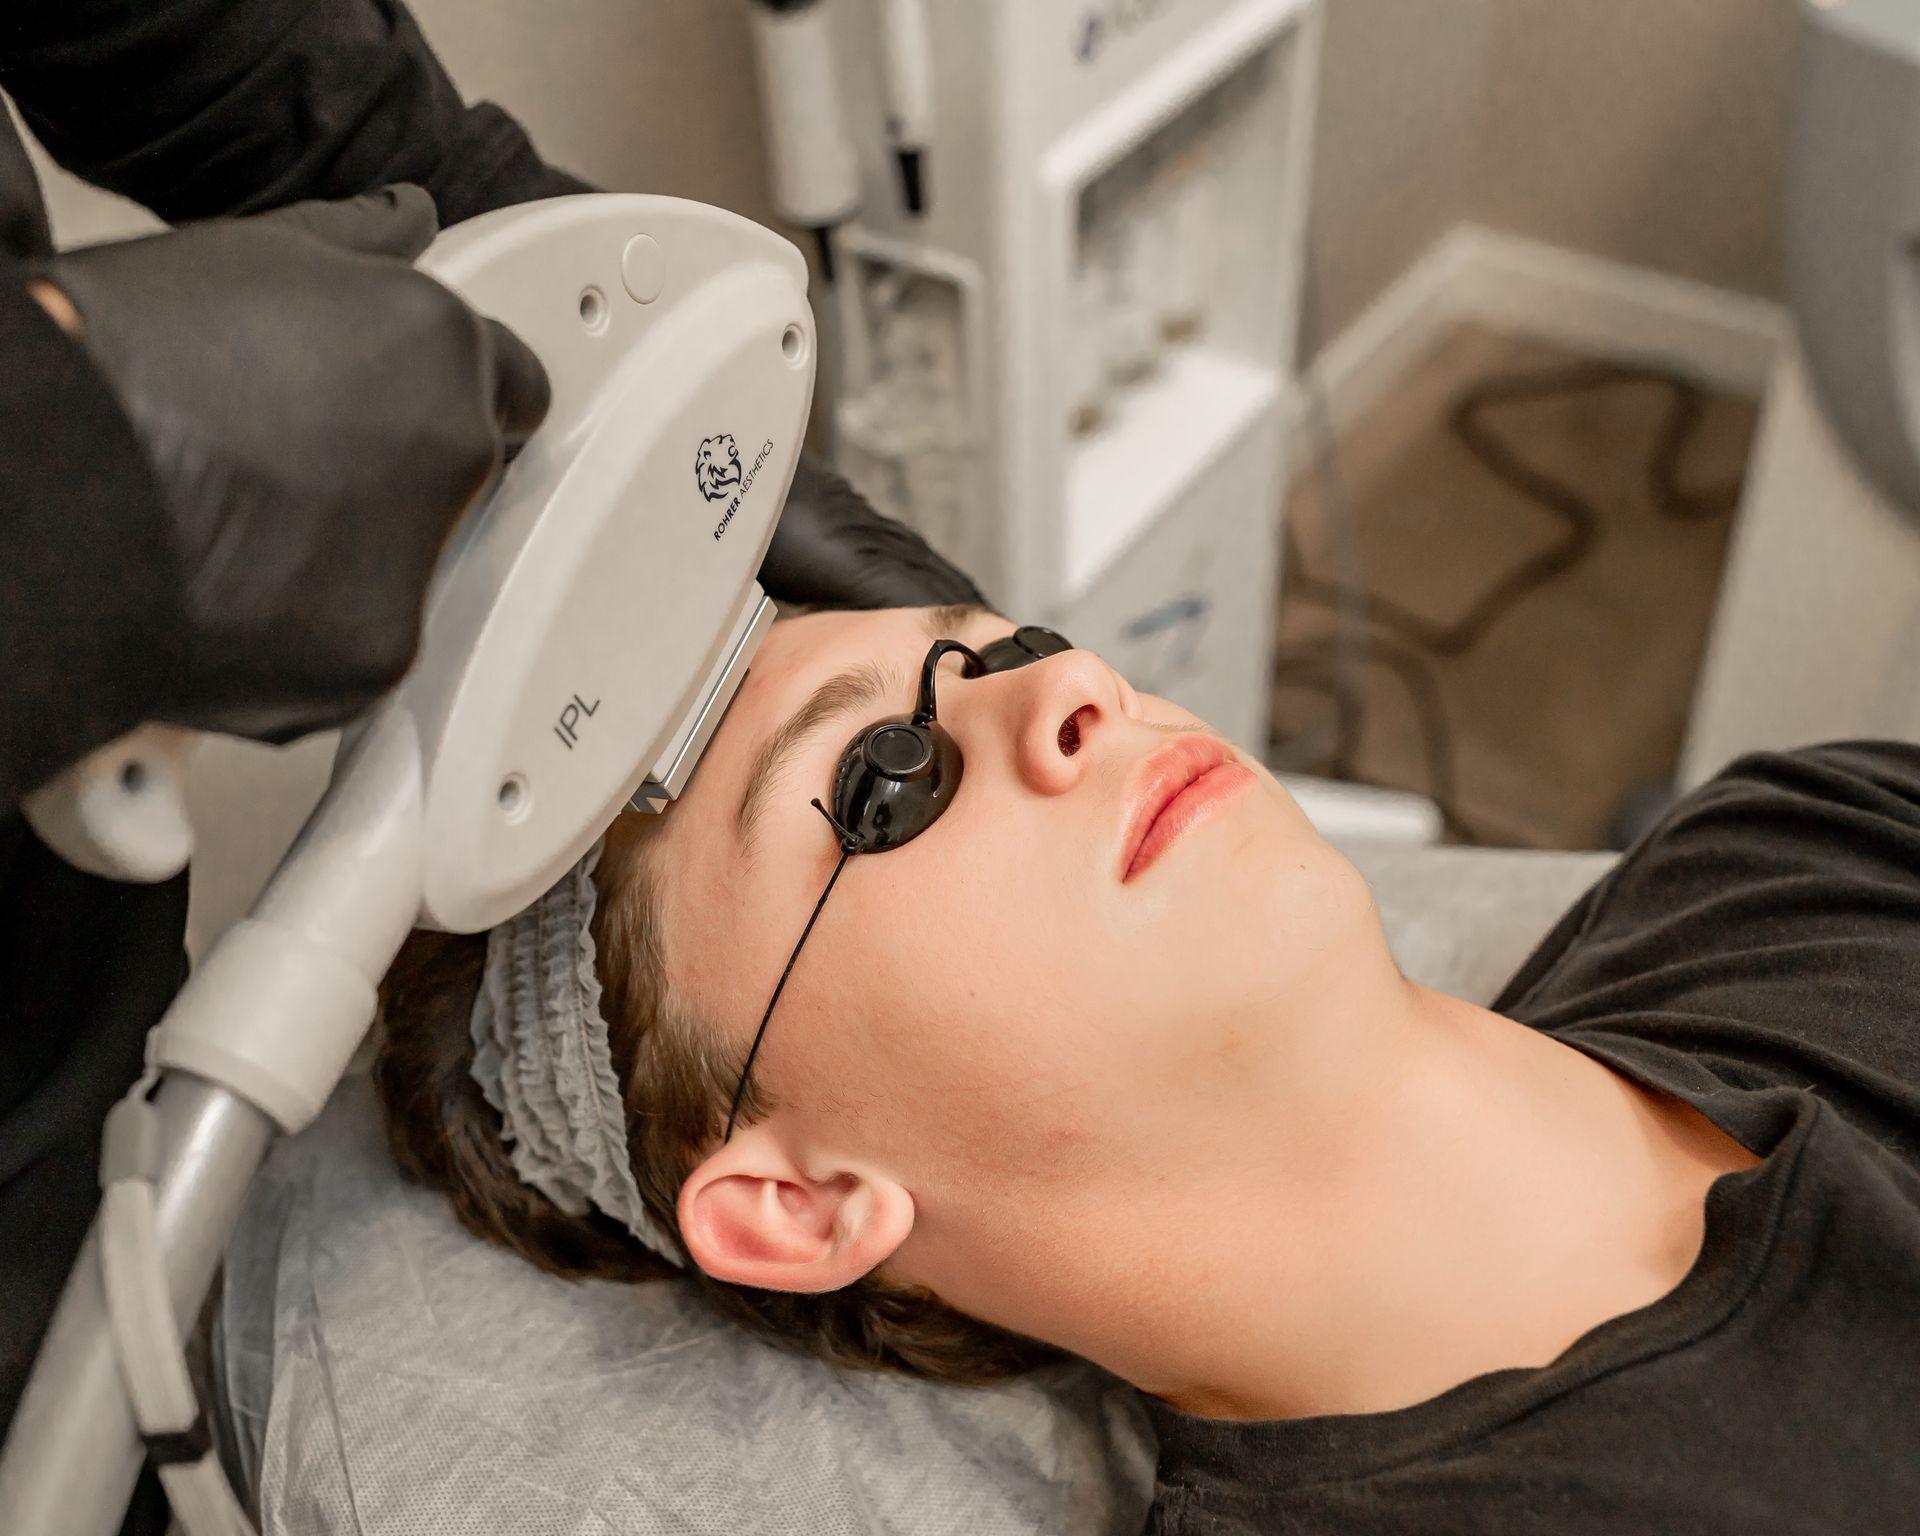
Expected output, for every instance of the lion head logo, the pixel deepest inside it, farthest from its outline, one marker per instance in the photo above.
(716, 467)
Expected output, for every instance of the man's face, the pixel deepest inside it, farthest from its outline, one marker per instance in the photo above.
(1013, 997)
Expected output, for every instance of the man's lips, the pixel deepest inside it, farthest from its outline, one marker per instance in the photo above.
(1176, 788)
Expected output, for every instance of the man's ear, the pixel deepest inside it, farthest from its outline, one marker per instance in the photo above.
(749, 1215)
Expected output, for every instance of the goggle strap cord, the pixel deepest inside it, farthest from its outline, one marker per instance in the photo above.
(849, 842)
(848, 848)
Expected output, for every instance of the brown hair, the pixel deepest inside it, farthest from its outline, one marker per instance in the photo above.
(678, 1086)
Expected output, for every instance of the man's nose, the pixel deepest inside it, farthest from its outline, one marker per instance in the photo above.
(1054, 716)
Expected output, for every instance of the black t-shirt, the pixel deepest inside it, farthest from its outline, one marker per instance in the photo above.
(1757, 955)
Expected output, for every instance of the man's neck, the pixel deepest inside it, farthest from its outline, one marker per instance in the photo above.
(1490, 1196)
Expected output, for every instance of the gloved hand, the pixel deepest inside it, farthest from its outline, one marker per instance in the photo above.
(317, 415)
(833, 550)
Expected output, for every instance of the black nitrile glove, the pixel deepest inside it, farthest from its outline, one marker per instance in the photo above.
(317, 415)
(832, 550)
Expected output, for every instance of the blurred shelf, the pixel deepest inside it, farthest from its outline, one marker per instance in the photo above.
(1157, 437)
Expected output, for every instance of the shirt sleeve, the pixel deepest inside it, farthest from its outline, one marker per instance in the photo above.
(1768, 929)
(204, 107)
(89, 624)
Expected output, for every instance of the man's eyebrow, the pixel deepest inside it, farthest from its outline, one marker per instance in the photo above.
(946, 621)
(853, 688)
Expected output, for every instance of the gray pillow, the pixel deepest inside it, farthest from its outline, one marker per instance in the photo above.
(1461, 920)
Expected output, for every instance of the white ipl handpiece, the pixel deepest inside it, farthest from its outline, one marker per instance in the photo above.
(583, 636)
(596, 617)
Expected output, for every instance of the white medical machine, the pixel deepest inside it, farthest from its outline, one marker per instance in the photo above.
(1072, 371)
(584, 635)
(1817, 633)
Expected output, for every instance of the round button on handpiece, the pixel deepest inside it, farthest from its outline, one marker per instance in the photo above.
(643, 268)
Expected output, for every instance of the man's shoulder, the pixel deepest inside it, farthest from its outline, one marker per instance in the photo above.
(1765, 934)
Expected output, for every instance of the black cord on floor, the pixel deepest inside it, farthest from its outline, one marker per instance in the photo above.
(1317, 662)
(1408, 643)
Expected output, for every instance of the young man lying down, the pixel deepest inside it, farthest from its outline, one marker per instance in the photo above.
(1095, 1046)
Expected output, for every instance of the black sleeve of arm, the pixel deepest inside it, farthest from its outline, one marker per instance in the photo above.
(205, 107)
(1771, 919)
(89, 623)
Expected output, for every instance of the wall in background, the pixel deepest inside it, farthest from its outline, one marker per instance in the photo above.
(1647, 131)
(1651, 132)
(1401, 83)
(653, 97)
